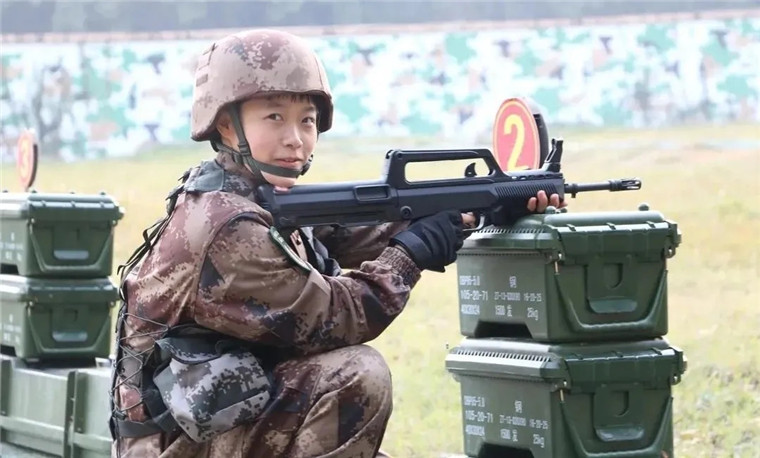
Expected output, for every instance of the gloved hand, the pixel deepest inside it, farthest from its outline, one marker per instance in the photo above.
(432, 242)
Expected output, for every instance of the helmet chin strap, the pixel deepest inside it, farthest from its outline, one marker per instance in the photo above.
(243, 156)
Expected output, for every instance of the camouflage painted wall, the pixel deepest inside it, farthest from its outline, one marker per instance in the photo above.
(91, 99)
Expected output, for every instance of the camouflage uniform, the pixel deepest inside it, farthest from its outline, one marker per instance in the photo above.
(217, 263)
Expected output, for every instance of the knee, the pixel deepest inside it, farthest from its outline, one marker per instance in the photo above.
(351, 404)
(372, 372)
(361, 373)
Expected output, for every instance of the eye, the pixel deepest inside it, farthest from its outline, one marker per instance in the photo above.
(274, 116)
(310, 120)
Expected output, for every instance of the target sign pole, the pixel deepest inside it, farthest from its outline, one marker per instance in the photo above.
(26, 159)
(516, 140)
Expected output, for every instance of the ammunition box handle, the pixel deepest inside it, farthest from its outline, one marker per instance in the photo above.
(73, 352)
(69, 255)
(648, 322)
(654, 450)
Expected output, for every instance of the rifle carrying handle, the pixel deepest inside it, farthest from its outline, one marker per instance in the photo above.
(396, 161)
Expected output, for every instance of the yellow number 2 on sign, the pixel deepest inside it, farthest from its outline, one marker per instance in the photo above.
(515, 137)
(515, 123)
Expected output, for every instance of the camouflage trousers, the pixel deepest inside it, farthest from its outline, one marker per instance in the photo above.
(335, 404)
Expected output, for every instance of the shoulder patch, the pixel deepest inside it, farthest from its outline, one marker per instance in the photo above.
(280, 241)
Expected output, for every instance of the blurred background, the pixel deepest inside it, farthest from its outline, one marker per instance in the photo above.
(40, 16)
(668, 91)
(114, 78)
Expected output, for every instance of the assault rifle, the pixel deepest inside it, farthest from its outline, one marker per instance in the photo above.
(496, 198)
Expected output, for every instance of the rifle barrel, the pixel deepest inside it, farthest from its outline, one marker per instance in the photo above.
(625, 184)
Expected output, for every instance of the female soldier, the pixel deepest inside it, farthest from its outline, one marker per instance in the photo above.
(215, 266)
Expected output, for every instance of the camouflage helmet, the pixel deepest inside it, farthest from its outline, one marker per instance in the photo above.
(255, 62)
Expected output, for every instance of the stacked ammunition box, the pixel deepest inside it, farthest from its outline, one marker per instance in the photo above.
(564, 356)
(56, 255)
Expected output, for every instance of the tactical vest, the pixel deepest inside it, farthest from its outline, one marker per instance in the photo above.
(184, 350)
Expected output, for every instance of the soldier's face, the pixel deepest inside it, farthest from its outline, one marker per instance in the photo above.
(281, 131)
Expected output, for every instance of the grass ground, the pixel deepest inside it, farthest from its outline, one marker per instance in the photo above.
(706, 179)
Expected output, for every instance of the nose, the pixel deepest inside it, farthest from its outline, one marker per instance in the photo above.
(292, 137)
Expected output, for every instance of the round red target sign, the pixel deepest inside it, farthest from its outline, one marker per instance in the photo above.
(26, 159)
(515, 137)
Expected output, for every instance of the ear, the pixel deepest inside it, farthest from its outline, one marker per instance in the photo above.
(225, 128)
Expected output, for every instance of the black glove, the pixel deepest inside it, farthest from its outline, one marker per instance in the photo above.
(432, 242)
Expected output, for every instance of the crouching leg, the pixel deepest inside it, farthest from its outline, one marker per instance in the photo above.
(335, 404)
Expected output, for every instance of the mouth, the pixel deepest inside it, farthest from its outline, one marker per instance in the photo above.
(289, 163)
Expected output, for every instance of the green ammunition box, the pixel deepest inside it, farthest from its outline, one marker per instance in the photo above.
(527, 399)
(33, 414)
(57, 235)
(564, 277)
(57, 411)
(55, 319)
(87, 433)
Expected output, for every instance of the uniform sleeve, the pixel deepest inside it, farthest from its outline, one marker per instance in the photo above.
(351, 246)
(249, 288)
